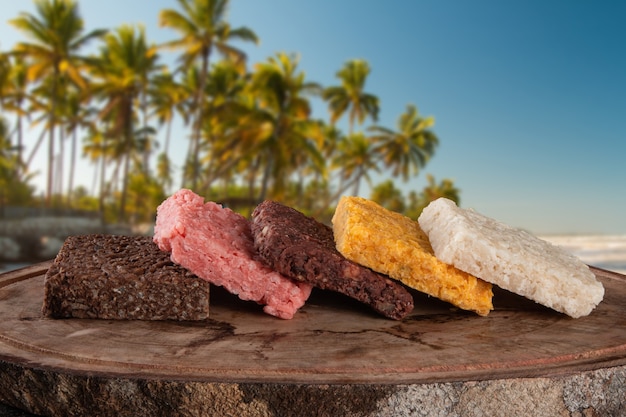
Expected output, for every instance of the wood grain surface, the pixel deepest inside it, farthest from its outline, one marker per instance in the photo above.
(332, 340)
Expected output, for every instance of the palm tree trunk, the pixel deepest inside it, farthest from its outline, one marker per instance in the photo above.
(128, 149)
(96, 178)
(168, 135)
(102, 184)
(195, 168)
(266, 177)
(35, 148)
(50, 161)
(360, 174)
(124, 196)
(193, 149)
(70, 185)
(60, 160)
(334, 198)
(51, 126)
(144, 116)
(254, 166)
(20, 142)
(167, 179)
(128, 138)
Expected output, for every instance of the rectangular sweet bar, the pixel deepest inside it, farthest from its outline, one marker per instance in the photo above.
(511, 258)
(216, 244)
(393, 244)
(121, 277)
(301, 248)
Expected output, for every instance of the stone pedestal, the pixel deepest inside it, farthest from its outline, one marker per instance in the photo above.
(335, 358)
(592, 393)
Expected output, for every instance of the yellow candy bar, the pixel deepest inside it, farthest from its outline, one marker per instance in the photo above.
(395, 245)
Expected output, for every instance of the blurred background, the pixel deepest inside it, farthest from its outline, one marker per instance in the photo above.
(513, 109)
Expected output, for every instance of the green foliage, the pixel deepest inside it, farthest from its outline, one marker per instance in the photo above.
(432, 191)
(350, 95)
(145, 195)
(56, 34)
(13, 189)
(388, 196)
(82, 201)
(408, 149)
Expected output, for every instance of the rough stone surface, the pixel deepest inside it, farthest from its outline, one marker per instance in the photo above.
(538, 397)
(592, 393)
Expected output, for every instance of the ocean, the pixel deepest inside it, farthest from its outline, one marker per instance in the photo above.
(602, 251)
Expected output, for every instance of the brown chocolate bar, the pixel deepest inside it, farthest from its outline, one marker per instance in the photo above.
(121, 277)
(303, 249)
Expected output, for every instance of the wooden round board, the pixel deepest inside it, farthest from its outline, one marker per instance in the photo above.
(331, 340)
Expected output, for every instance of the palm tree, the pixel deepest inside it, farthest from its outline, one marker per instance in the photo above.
(356, 161)
(350, 95)
(57, 36)
(203, 28)
(408, 149)
(445, 189)
(7, 164)
(5, 66)
(98, 148)
(281, 96)
(224, 116)
(167, 97)
(432, 191)
(121, 74)
(77, 115)
(14, 96)
(388, 196)
(14, 189)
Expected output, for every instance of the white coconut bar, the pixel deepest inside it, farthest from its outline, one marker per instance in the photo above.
(510, 258)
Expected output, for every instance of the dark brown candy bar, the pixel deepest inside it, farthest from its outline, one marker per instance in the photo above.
(304, 249)
(121, 277)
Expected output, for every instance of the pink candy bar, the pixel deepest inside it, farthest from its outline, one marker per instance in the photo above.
(216, 244)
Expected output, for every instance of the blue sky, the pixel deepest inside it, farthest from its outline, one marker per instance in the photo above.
(529, 97)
